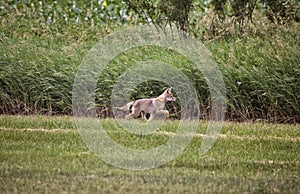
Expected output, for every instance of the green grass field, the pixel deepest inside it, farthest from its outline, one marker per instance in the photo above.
(42, 44)
(47, 155)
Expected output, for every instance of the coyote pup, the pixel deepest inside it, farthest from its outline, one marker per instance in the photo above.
(150, 105)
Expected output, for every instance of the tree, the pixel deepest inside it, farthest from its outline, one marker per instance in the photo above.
(236, 13)
(163, 13)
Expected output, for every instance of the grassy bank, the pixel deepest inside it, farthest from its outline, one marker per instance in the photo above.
(46, 154)
(38, 62)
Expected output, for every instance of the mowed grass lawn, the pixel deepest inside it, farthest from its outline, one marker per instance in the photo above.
(47, 155)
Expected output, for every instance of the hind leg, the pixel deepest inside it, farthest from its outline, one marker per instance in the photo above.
(144, 115)
(131, 115)
(134, 114)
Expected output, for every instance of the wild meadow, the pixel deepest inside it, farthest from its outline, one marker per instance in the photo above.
(39, 60)
(42, 45)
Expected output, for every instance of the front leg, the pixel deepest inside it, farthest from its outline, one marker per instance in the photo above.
(151, 116)
(165, 112)
(160, 112)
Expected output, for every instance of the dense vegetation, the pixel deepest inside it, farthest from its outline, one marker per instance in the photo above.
(42, 44)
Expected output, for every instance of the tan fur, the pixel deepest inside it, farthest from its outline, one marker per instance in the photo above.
(151, 105)
(126, 107)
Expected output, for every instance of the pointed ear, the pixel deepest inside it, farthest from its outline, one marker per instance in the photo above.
(169, 89)
(166, 91)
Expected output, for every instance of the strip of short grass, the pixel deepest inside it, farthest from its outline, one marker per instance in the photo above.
(37, 122)
(38, 161)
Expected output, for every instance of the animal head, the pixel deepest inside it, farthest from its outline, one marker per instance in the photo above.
(168, 95)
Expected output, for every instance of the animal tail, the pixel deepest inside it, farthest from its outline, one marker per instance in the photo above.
(126, 107)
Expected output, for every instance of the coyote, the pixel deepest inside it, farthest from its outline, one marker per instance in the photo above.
(150, 106)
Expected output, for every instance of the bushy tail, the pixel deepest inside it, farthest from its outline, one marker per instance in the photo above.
(126, 107)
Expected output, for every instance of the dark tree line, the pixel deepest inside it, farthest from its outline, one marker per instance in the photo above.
(239, 13)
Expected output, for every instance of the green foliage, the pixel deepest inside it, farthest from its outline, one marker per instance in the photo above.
(261, 74)
(89, 12)
(189, 16)
(282, 11)
(241, 12)
(38, 62)
(163, 13)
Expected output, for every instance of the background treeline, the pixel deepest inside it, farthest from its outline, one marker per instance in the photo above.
(255, 43)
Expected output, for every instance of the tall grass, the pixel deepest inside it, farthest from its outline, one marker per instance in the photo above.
(38, 62)
(262, 74)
